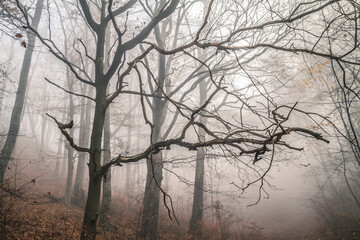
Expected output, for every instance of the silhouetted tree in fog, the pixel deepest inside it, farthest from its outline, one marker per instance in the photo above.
(15, 119)
(251, 131)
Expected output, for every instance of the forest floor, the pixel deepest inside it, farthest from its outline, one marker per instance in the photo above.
(36, 211)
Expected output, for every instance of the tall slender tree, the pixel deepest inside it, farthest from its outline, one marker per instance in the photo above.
(196, 223)
(15, 119)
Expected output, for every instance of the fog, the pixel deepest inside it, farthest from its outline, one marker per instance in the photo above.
(184, 119)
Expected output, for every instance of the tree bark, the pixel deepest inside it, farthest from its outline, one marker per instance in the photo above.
(154, 167)
(59, 169)
(128, 166)
(84, 134)
(151, 200)
(150, 212)
(70, 156)
(196, 224)
(45, 107)
(197, 211)
(70, 150)
(198, 205)
(106, 201)
(94, 189)
(20, 96)
(59, 157)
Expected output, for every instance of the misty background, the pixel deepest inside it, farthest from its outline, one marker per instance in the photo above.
(197, 119)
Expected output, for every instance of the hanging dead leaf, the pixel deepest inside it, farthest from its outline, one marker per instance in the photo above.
(18, 35)
(23, 43)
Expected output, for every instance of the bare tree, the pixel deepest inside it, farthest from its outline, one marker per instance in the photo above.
(262, 137)
(16, 114)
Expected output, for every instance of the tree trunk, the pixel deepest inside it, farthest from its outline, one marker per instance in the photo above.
(59, 158)
(77, 194)
(20, 96)
(94, 190)
(106, 201)
(88, 230)
(84, 133)
(154, 167)
(70, 159)
(33, 126)
(59, 170)
(70, 150)
(150, 212)
(196, 224)
(45, 107)
(93, 199)
(197, 211)
(128, 166)
(151, 200)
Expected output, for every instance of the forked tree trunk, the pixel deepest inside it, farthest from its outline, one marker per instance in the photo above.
(20, 96)
(93, 199)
